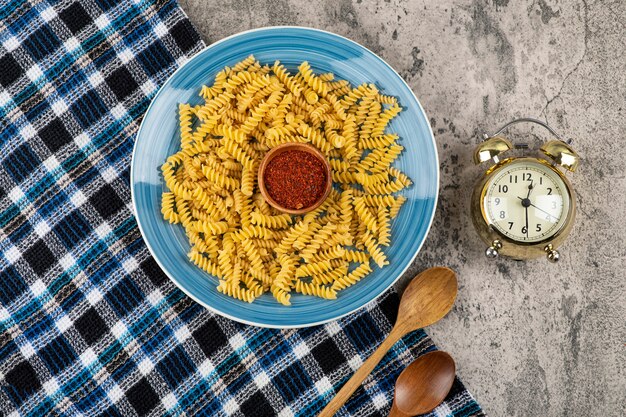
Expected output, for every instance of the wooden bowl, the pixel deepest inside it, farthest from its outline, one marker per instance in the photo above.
(294, 147)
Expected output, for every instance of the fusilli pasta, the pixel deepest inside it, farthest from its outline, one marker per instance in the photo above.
(212, 191)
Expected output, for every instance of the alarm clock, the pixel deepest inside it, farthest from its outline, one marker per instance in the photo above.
(524, 207)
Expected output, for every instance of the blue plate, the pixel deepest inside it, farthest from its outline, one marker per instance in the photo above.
(326, 52)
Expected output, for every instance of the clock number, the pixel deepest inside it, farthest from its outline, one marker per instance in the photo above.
(553, 205)
(538, 227)
(524, 230)
(497, 201)
(526, 176)
(511, 177)
(510, 225)
(503, 188)
(502, 214)
(549, 191)
(540, 180)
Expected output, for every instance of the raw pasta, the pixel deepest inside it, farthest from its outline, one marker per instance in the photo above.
(212, 188)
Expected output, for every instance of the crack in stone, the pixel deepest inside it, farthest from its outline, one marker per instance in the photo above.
(544, 111)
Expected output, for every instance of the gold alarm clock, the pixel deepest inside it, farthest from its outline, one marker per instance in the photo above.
(524, 207)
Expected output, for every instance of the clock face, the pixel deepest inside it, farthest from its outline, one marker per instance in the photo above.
(526, 201)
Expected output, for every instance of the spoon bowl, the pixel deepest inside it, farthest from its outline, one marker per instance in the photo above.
(427, 299)
(423, 385)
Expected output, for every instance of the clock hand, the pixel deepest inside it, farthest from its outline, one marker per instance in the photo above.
(530, 188)
(540, 209)
(526, 201)
(526, 207)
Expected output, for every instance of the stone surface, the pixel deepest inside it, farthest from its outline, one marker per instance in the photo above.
(532, 338)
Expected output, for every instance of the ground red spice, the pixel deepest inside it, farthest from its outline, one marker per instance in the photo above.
(295, 179)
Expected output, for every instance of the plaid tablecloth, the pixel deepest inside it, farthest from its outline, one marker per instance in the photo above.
(89, 324)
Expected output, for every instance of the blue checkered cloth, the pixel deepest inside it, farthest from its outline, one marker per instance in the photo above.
(89, 324)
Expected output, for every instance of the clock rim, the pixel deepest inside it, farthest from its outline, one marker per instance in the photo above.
(511, 247)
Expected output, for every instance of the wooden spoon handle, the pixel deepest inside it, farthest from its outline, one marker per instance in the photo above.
(353, 383)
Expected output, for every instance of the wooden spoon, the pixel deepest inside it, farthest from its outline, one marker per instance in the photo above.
(427, 299)
(423, 385)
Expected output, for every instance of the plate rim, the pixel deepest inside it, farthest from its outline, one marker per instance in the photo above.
(251, 322)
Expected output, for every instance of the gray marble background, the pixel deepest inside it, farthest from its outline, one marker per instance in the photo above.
(529, 339)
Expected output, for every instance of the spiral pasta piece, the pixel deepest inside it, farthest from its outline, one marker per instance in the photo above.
(345, 205)
(315, 290)
(211, 227)
(320, 110)
(344, 177)
(400, 176)
(231, 133)
(336, 139)
(219, 179)
(353, 96)
(364, 214)
(353, 277)
(395, 207)
(379, 200)
(280, 132)
(258, 113)
(248, 177)
(284, 278)
(336, 104)
(374, 250)
(349, 131)
(315, 137)
(246, 97)
(384, 230)
(370, 117)
(168, 203)
(253, 255)
(242, 65)
(371, 179)
(286, 79)
(311, 97)
(315, 268)
(236, 291)
(318, 240)
(335, 252)
(239, 78)
(278, 119)
(204, 263)
(186, 138)
(384, 162)
(253, 231)
(352, 255)
(339, 164)
(384, 119)
(272, 222)
(287, 242)
(385, 188)
(237, 152)
(378, 142)
(211, 107)
(330, 276)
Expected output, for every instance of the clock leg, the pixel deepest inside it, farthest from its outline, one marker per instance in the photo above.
(492, 251)
(553, 255)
